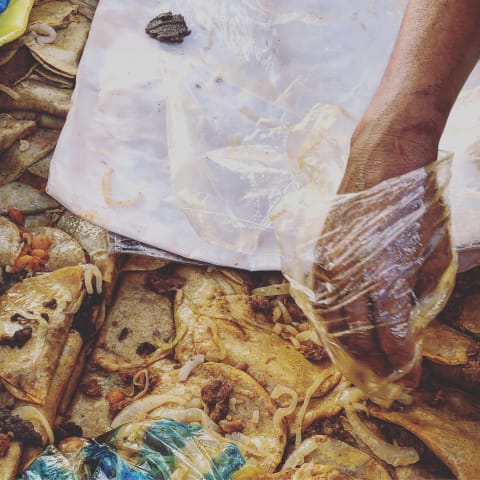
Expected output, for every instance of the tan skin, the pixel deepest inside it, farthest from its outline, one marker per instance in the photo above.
(437, 47)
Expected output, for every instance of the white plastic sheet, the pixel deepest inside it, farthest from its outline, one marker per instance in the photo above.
(190, 147)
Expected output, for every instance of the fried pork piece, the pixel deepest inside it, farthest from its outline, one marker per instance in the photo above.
(139, 326)
(35, 318)
(449, 426)
(217, 312)
(237, 406)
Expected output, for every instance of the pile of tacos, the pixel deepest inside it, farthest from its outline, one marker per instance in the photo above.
(92, 340)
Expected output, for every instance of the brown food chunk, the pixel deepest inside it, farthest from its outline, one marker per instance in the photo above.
(19, 338)
(91, 388)
(168, 27)
(216, 395)
(123, 334)
(230, 426)
(145, 348)
(312, 351)
(163, 281)
(18, 429)
(4, 444)
(261, 303)
(51, 304)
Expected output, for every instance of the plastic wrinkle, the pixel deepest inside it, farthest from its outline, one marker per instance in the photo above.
(140, 451)
(360, 267)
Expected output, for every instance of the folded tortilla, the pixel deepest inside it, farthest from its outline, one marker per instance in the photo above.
(12, 129)
(54, 13)
(62, 55)
(39, 97)
(42, 306)
(21, 156)
(24, 198)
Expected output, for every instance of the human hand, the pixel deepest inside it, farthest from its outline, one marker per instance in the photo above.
(384, 263)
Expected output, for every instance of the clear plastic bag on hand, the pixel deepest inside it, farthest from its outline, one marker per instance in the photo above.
(371, 270)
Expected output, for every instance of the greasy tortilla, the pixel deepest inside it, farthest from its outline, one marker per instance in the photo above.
(42, 167)
(123, 345)
(86, 7)
(24, 198)
(10, 245)
(64, 251)
(27, 371)
(264, 441)
(453, 435)
(62, 56)
(446, 346)
(470, 314)
(43, 75)
(59, 381)
(90, 408)
(54, 13)
(12, 130)
(329, 451)
(39, 97)
(16, 159)
(95, 241)
(216, 310)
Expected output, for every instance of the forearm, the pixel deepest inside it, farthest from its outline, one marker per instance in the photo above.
(436, 49)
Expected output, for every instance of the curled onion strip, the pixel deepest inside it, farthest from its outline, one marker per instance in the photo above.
(391, 454)
(188, 415)
(283, 412)
(287, 318)
(91, 271)
(9, 91)
(45, 33)
(140, 408)
(187, 369)
(24, 145)
(303, 409)
(32, 414)
(272, 290)
(299, 454)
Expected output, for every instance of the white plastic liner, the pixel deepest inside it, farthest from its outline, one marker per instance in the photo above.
(190, 147)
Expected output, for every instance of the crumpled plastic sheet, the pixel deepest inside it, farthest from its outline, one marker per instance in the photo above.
(189, 148)
(371, 270)
(157, 449)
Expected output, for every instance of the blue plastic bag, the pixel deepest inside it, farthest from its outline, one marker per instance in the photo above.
(3, 5)
(150, 450)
